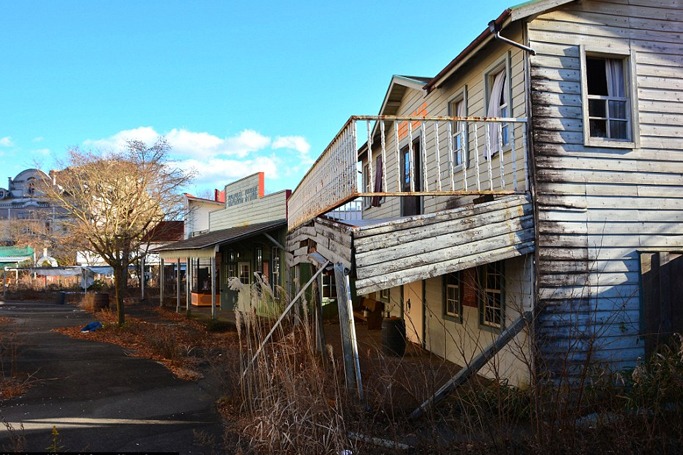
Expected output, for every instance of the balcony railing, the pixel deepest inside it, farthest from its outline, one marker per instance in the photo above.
(459, 156)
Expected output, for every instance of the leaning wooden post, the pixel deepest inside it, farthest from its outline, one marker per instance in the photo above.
(348, 330)
(477, 363)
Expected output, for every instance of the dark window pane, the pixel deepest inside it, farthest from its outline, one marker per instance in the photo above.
(598, 128)
(617, 109)
(597, 108)
(618, 129)
(596, 76)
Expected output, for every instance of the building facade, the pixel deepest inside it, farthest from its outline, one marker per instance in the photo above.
(537, 176)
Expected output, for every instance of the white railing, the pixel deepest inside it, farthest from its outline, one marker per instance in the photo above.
(335, 178)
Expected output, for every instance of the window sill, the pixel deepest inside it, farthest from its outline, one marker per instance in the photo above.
(452, 318)
(609, 143)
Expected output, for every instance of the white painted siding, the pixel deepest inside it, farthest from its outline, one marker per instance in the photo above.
(271, 207)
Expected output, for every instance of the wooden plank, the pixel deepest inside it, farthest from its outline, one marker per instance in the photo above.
(476, 364)
(381, 280)
(402, 235)
(430, 251)
(507, 202)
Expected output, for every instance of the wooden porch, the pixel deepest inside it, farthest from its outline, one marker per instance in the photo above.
(388, 253)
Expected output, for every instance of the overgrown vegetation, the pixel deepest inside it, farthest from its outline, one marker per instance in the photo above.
(292, 398)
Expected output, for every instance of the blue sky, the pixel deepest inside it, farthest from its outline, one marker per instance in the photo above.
(235, 86)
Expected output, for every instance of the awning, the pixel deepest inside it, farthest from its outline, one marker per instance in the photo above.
(204, 246)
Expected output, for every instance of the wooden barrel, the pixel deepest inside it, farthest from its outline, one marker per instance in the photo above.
(101, 300)
(394, 336)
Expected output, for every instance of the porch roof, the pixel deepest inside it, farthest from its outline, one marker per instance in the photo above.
(205, 244)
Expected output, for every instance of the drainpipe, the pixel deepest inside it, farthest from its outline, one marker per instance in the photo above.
(494, 28)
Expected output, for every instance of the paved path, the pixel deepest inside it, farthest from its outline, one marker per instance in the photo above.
(97, 397)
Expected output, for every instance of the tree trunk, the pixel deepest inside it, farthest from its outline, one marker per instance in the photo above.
(120, 283)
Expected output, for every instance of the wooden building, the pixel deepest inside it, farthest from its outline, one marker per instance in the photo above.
(540, 172)
(244, 238)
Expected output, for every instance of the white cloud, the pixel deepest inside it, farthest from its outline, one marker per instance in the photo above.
(298, 143)
(119, 140)
(216, 161)
(6, 141)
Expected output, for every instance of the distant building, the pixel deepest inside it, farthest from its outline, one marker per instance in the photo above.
(25, 212)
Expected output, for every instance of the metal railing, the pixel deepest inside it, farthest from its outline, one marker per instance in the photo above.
(419, 156)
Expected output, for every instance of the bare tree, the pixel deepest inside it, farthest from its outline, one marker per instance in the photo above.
(114, 200)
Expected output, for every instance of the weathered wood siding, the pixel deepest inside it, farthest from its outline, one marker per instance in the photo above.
(271, 207)
(598, 206)
(332, 240)
(396, 252)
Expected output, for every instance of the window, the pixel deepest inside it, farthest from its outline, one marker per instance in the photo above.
(411, 181)
(498, 106)
(373, 184)
(607, 96)
(459, 132)
(452, 304)
(490, 291)
(384, 295)
(245, 272)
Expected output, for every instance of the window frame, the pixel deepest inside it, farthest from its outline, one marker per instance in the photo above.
(628, 58)
(490, 74)
(464, 130)
(483, 291)
(452, 281)
(384, 295)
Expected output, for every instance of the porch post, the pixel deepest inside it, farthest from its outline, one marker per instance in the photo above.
(161, 281)
(213, 287)
(177, 285)
(320, 334)
(188, 284)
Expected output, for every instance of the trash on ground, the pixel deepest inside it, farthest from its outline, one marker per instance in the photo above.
(91, 327)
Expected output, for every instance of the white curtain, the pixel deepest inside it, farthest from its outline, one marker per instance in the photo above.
(460, 130)
(493, 129)
(615, 77)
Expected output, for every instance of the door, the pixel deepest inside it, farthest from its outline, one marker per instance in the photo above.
(228, 296)
(411, 205)
(413, 311)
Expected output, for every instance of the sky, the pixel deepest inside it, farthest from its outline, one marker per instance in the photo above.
(235, 87)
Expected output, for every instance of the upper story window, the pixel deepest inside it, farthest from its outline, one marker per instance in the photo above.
(498, 106)
(459, 132)
(607, 100)
(373, 183)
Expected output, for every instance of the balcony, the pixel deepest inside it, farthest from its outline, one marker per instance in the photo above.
(461, 156)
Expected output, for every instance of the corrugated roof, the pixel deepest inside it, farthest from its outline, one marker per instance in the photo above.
(222, 236)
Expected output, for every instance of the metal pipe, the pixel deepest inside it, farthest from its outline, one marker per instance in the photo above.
(494, 28)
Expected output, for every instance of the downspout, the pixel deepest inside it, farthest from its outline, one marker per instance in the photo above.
(494, 28)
